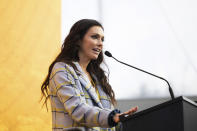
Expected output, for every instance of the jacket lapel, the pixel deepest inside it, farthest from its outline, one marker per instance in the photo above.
(83, 78)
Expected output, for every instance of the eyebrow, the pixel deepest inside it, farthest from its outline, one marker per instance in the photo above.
(98, 34)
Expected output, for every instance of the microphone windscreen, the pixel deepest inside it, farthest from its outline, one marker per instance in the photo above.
(107, 53)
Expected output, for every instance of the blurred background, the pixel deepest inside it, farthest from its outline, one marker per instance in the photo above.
(29, 40)
(156, 35)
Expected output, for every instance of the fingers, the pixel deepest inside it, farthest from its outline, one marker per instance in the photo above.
(131, 111)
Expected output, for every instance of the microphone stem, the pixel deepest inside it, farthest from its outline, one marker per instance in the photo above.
(170, 89)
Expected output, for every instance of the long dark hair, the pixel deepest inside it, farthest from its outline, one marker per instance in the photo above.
(69, 53)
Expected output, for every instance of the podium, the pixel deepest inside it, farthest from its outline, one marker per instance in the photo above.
(179, 114)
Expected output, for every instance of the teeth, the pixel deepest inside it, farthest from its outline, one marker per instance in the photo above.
(98, 50)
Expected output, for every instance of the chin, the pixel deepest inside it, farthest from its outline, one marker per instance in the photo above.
(94, 57)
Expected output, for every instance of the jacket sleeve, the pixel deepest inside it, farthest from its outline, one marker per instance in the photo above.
(79, 111)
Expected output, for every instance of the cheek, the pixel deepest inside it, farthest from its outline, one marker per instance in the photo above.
(89, 44)
(86, 48)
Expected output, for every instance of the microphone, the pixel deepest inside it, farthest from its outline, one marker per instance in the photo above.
(107, 53)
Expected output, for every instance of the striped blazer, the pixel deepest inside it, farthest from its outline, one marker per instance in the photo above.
(75, 103)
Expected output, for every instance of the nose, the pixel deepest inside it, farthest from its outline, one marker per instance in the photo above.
(100, 43)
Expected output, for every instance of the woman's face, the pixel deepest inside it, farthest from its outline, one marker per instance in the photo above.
(92, 43)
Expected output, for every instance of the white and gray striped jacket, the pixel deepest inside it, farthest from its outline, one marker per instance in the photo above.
(75, 103)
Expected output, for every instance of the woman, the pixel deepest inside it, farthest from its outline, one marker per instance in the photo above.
(81, 97)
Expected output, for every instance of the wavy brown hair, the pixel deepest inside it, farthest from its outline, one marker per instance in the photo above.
(69, 53)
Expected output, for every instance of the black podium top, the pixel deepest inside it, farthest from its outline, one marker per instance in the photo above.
(158, 107)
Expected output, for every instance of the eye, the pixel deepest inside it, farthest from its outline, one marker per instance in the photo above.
(97, 37)
(94, 36)
(103, 39)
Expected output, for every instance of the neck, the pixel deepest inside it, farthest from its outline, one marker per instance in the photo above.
(84, 64)
(83, 61)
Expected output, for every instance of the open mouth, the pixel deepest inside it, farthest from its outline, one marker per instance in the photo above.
(96, 50)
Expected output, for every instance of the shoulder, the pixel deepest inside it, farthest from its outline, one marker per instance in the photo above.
(59, 66)
(62, 67)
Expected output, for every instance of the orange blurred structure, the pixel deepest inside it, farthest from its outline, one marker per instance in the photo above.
(29, 41)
